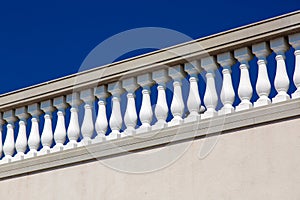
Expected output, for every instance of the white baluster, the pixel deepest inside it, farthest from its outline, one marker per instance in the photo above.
(21, 142)
(130, 117)
(73, 131)
(193, 101)
(263, 85)
(296, 77)
(210, 96)
(101, 123)
(161, 109)
(9, 143)
(177, 105)
(60, 132)
(295, 42)
(146, 113)
(115, 120)
(227, 93)
(87, 128)
(245, 90)
(47, 133)
(34, 135)
(1, 128)
(282, 82)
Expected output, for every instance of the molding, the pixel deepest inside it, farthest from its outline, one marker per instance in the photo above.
(187, 131)
(226, 41)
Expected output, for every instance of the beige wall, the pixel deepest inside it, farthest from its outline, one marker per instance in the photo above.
(256, 163)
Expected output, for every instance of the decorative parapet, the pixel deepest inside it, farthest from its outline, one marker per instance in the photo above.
(91, 89)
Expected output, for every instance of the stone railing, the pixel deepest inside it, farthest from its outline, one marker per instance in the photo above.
(28, 115)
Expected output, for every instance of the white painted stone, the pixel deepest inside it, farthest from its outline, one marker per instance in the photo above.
(245, 90)
(1, 128)
(177, 105)
(193, 101)
(210, 96)
(73, 131)
(34, 135)
(60, 132)
(146, 113)
(130, 117)
(47, 133)
(263, 85)
(227, 93)
(101, 123)
(87, 127)
(161, 108)
(21, 142)
(9, 143)
(294, 40)
(115, 120)
(282, 82)
(296, 77)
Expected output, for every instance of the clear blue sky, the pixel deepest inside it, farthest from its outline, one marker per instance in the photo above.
(43, 40)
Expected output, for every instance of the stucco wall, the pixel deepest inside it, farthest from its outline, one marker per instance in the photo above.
(255, 163)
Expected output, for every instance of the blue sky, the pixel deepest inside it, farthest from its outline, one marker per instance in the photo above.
(44, 40)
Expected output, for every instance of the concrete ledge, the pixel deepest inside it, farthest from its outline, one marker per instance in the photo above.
(212, 45)
(189, 131)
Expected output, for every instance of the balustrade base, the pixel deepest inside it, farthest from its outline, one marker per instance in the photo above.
(226, 110)
(262, 102)
(71, 145)
(99, 138)
(209, 114)
(159, 125)
(192, 118)
(44, 151)
(113, 135)
(175, 122)
(57, 148)
(31, 154)
(143, 129)
(129, 132)
(280, 98)
(19, 156)
(6, 159)
(296, 94)
(243, 106)
(86, 141)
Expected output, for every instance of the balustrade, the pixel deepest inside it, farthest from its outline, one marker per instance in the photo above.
(17, 145)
